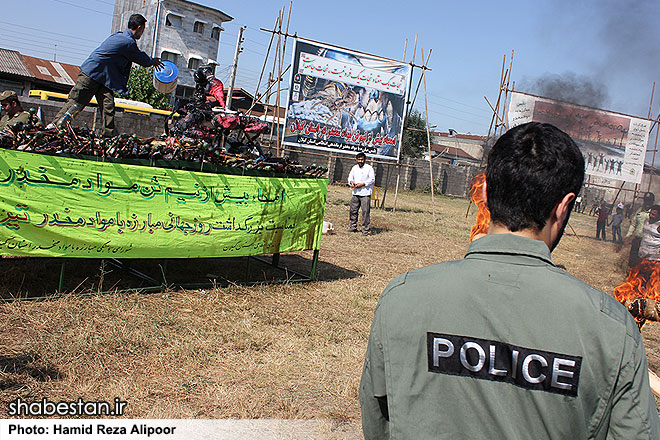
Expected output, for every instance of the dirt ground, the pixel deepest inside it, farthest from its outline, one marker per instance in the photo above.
(271, 351)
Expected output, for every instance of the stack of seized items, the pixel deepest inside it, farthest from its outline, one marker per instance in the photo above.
(195, 132)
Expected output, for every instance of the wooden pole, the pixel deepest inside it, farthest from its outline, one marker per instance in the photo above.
(506, 94)
(272, 75)
(496, 115)
(492, 120)
(412, 63)
(398, 162)
(655, 147)
(263, 68)
(286, 33)
(279, 82)
(428, 133)
(651, 102)
(280, 137)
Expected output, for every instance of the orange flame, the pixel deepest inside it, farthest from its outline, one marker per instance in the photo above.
(643, 282)
(480, 227)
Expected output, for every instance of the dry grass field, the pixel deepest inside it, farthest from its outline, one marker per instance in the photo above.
(286, 351)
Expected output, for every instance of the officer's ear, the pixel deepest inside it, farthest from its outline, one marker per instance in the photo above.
(562, 210)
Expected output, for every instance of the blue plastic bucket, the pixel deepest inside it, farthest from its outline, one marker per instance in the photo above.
(165, 78)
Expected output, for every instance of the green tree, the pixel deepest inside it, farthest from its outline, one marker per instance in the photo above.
(414, 135)
(141, 88)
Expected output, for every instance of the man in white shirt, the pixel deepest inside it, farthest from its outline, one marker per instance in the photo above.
(361, 179)
(649, 248)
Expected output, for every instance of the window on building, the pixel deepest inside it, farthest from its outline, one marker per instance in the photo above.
(183, 92)
(193, 63)
(173, 20)
(169, 56)
(215, 33)
(198, 27)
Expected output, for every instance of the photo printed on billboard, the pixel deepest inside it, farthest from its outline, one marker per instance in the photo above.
(340, 100)
(613, 144)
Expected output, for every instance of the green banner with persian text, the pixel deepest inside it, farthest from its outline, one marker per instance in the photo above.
(53, 206)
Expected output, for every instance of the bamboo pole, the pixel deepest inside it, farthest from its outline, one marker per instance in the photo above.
(389, 167)
(263, 68)
(412, 64)
(272, 73)
(428, 133)
(651, 101)
(279, 82)
(280, 137)
(492, 120)
(506, 93)
(286, 33)
(495, 116)
(655, 146)
(398, 161)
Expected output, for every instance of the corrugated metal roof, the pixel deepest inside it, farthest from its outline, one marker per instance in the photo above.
(54, 71)
(452, 151)
(11, 62)
(459, 136)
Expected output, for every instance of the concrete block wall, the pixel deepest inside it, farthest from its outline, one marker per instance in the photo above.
(456, 180)
(452, 180)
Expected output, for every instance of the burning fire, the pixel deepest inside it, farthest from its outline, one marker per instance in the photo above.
(641, 291)
(480, 227)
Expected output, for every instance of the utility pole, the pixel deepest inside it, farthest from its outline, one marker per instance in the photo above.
(234, 68)
(156, 28)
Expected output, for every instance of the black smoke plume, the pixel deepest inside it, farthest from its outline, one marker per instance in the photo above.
(568, 87)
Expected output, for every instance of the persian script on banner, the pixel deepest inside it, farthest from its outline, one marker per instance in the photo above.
(613, 145)
(342, 100)
(63, 207)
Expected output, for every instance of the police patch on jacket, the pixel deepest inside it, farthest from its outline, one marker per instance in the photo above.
(498, 361)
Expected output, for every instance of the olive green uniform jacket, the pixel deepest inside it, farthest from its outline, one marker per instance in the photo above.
(504, 345)
(7, 122)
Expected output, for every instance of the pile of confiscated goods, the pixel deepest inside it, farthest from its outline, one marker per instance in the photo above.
(197, 132)
(84, 142)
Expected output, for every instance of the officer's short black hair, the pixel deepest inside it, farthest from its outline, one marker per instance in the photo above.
(530, 169)
(360, 155)
(135, 21)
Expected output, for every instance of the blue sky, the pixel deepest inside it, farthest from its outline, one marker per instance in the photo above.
(607, 47)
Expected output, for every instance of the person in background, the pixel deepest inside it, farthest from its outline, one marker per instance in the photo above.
(578, 203)
(616, 221)
(603, 213)
(649, 247)
(361, 179)
(634, 235)
(105, 71)
(13, 113)
(503, 344)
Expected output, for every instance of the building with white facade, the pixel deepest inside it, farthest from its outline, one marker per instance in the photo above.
(180, 31)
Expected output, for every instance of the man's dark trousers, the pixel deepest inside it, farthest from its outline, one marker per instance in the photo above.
(358, 202)
(82, 93)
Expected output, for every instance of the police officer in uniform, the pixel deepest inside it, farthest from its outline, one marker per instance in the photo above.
(503, 344)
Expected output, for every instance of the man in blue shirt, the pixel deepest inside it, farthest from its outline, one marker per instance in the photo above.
(106, 70)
